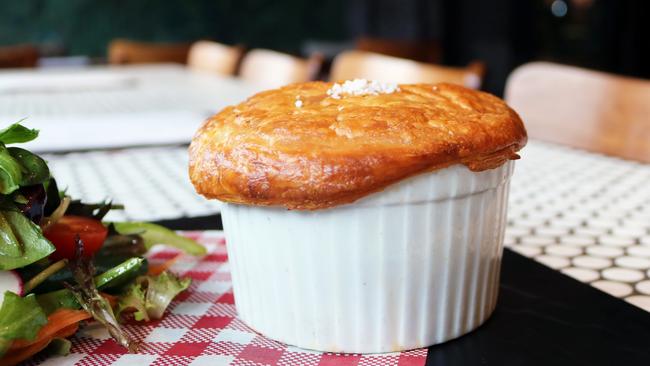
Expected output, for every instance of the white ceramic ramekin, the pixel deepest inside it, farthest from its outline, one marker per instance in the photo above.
(414, 265)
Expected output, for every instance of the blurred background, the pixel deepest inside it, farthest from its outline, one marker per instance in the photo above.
(607, 35)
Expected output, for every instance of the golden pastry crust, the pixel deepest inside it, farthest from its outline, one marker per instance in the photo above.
(327, 152)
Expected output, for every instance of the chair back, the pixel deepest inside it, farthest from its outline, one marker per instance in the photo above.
(214, 57)
(582, 108)
(18, 56)
(122, 51)
(373, 66)
(423, 51)
(275, 69)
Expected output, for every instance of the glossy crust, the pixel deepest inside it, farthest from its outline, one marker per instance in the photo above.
(267, 151)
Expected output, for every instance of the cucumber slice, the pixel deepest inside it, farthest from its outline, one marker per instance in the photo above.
(114, 277)
(120, 274)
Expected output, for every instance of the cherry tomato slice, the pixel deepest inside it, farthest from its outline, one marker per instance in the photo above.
(63, 233)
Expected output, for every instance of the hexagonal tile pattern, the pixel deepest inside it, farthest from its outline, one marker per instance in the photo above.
(587, 215)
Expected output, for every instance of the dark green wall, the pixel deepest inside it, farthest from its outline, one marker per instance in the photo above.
(84, 27)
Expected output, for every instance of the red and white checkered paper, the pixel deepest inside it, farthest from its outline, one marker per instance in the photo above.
(201, 328)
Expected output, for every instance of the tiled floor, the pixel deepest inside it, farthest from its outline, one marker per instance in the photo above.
(584, 214)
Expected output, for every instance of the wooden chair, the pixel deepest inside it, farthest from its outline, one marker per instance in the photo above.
(582, 108)
(214, 57)
(122, 51)
(274, 69)
(18, 56)
(367, 65)
(423, 51)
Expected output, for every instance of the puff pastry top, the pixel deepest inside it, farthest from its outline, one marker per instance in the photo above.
(300, 148)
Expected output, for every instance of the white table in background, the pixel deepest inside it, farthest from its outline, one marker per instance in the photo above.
(114, 106)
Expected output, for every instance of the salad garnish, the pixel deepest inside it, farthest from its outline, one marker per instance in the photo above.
(148, 297)
(20, 318)
(86, 293)
(61, 264)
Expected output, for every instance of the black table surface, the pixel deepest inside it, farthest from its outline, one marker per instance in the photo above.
(542, 318)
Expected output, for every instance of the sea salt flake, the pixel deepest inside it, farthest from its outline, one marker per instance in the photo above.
(361, 87)
(298, 103)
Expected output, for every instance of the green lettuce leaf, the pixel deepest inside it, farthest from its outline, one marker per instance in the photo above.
(9, 245)
(19, 167)
(161, 290)
(34, 169)
(17, 133)
(54, 300)
(11, 172)
(149, 296)
(134, 300)
(20, 318)
(21, 241)
(156, 234)
(59, 347)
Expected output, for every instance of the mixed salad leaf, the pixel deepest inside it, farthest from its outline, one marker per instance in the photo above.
(21, 241)
(149, 296)
(17, 133)
(20, 318)
(68, 266)
(19, 167)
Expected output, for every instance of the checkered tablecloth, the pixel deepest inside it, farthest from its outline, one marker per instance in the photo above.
(201, 328)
